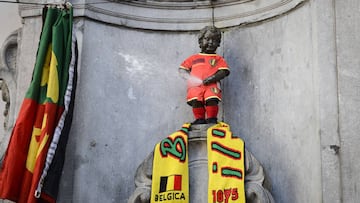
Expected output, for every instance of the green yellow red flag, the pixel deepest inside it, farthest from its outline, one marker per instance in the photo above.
(22, 171)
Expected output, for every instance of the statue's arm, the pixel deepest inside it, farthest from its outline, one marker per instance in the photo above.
(185, 74)
(219, 75)
(143, 178)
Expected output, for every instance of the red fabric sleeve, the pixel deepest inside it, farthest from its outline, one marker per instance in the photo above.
(187, 63)
(222, 65)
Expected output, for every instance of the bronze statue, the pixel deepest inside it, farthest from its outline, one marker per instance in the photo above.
(203, 72)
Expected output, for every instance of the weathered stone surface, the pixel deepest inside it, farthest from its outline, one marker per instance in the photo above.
(8, 87)
(324, 34)
(348, 73)
(272, 101)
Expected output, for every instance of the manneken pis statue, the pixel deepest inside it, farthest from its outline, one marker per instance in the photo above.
(203, 72)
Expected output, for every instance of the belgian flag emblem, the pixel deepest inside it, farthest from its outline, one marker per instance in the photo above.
(170, 183)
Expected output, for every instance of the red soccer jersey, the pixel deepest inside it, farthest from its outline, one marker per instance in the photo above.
(201, 66)
(204, 65)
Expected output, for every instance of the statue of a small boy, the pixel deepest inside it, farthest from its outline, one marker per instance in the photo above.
(203, 72)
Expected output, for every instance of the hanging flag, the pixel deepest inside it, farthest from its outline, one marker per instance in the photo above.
(28, 157)
(50, 179)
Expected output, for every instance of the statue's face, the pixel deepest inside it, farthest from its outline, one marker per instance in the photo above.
(209, 43)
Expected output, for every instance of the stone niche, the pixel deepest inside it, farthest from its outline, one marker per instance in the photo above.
(182, 15)
(117, 36)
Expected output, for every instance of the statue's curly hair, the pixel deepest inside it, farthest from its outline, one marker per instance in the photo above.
(212, 29)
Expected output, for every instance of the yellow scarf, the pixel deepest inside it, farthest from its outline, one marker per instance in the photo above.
(170, 177)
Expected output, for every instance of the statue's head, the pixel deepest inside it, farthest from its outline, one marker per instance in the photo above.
(209, 39)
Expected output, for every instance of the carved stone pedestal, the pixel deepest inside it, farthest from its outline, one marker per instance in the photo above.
(198, 166)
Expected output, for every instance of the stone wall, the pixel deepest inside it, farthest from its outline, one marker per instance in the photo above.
(347, 26)
(271, 101)
(10, 24)
(292, 94)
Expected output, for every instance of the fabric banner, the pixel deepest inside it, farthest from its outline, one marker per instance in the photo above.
(226, 167)
(170, 178)
(40, 112)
